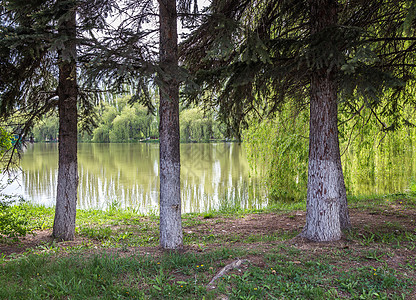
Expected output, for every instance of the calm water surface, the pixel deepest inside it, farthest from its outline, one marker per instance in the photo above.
(212, 175)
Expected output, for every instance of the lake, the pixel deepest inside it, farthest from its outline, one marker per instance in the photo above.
(213, 176)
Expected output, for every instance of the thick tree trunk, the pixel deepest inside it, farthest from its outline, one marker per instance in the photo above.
(326, 186)
(344, 216)
(66, 199)
(170, 197)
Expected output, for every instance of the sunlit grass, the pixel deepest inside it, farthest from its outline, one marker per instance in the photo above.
(367, 201)
(281, 272)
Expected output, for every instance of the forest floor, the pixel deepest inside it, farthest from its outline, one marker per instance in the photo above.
(115, 255)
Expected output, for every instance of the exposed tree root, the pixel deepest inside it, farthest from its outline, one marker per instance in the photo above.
(227, 268)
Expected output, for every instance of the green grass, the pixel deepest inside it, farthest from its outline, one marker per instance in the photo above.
(126, 227)
(282, 272)
(380, 202)
(109, 264)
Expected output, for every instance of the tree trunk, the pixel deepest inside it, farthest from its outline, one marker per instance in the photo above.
(170, 197)
(326, 185)
(66, 199)
(344, 216)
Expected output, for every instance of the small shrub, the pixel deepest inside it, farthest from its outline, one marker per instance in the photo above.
(208, 215)
(13, 219)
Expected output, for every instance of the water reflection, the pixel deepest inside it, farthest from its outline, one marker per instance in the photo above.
(127, 174)
(213, 176)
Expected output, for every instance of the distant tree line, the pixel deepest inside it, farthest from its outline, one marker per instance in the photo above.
(121, 122)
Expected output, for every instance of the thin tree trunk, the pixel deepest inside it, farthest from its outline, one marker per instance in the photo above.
(66, 199)
(325, 178)
(170, 197)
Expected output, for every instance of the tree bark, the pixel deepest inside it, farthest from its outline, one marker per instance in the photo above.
(66, 199)
(326, 186)
(171, 236)
(344, 216)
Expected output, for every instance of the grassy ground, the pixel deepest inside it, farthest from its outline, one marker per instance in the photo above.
(115, 256)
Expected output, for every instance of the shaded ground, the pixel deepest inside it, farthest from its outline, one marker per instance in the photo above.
(369, 226)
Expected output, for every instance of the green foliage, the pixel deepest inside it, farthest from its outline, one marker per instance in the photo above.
(13, 218)
(200, 126)
(412, 186)
(371, 152)
(194, 126)
(19, 218)
(279, 149)
(5, 141)
(102, 132)
(125, 123)
(133, 123)
(120, 121)
(47, 129)
(208, 215)
(33, 46)
(257, 55)
(12, 223)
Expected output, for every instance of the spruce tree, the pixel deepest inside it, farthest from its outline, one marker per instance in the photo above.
(325, 179)
(142, 60)
(40, 63)
(256, 55)
(66, 196)
(170, 194)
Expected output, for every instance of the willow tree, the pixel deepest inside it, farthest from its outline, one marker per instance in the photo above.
(257, 55)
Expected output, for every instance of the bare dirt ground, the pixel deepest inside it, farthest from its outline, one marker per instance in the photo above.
(364, 222)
